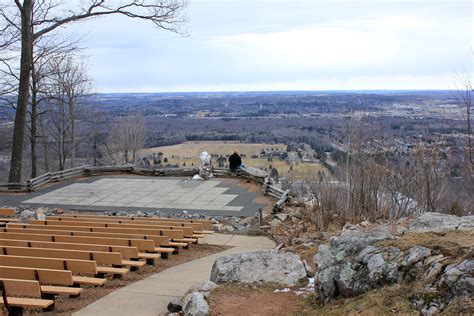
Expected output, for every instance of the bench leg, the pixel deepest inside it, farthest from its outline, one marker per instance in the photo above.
(117, 276)
(75, 296)
(187, 246)
(164, 255)
(150, 262)
(50, 308)
(100, 275)
(49, 296)
(15, 311)
(132, 268)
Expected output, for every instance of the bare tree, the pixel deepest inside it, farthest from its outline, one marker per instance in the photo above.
(65, 89)
(35, 19)
(464, 100)
(130, 137)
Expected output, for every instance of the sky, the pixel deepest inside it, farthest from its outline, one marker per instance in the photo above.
(267, 45)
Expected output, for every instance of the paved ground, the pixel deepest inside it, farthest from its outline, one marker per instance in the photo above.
(168, 195)
(150, 296)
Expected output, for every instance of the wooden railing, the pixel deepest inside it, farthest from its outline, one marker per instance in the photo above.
(257, 176)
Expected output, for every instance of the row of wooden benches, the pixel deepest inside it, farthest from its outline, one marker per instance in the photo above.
(45, 258)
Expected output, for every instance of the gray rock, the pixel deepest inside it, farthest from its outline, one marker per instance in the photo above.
(458, 278)
(26, 215)
(275, 222)
(416, 254)
(282, 217)
(229, 228)
(429, 222)
(194, 304)
(259, 267)
(204, 288)
(175, 306)
(431, 311)
(122, 213)
(350, 265)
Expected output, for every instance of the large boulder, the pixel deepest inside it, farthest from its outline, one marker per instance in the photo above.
(269, 266)
(194, 304)
(432, 222)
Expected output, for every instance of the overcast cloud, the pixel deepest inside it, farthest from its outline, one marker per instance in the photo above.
(285, 45)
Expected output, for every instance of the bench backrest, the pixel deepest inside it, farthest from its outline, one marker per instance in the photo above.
(76, 231)
(142, 245)
(106, 258)
(137, 220)
(167, 234)
(73, 265)
(44, 276)
(207, 224)
(166, 230)
(15, 287)
(126, 252)
(7, 212)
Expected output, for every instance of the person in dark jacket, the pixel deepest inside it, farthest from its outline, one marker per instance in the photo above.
(235, 162)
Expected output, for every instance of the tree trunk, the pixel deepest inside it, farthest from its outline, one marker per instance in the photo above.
(23, 92)
(33, 128)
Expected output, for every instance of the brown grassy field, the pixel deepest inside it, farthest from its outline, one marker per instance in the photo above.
(188, 153)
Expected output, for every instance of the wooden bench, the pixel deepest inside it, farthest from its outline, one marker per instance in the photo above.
(165, 230)
(73, 265)
(53, 282)
(8, 215)
(107, 258)
(30, 292)
(196, 227)
(129, 254)
(141, 245)
(103, 231)
(207, 224)
(100, 257)
(162, 241)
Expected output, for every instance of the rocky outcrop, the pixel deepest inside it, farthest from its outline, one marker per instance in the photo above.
(259, 267)
(195, 304)
(458, 279)
(430, 222)
(355, 262)
(349, 265)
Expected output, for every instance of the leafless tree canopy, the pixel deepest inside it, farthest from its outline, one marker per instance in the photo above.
(24, 23)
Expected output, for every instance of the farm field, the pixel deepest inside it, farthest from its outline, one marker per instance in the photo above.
(188, 153)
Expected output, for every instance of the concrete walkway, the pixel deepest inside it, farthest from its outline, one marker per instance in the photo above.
(150, 296)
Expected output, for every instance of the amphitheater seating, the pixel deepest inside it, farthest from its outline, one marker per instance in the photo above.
(53, 282)
(7, 215)
(129, 254)
(171, 231)
(165, 246)
(197, 227)
(207, 224)
(141, 244)
(30, 292)
(42, 259)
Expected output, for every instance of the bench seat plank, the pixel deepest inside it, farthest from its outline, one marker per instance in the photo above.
(61, 290)
(121, 271)
(28, 302)
(88, 280)
(131, 263)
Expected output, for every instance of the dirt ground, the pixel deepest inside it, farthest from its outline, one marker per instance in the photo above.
(236, 300)
(66, 306)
